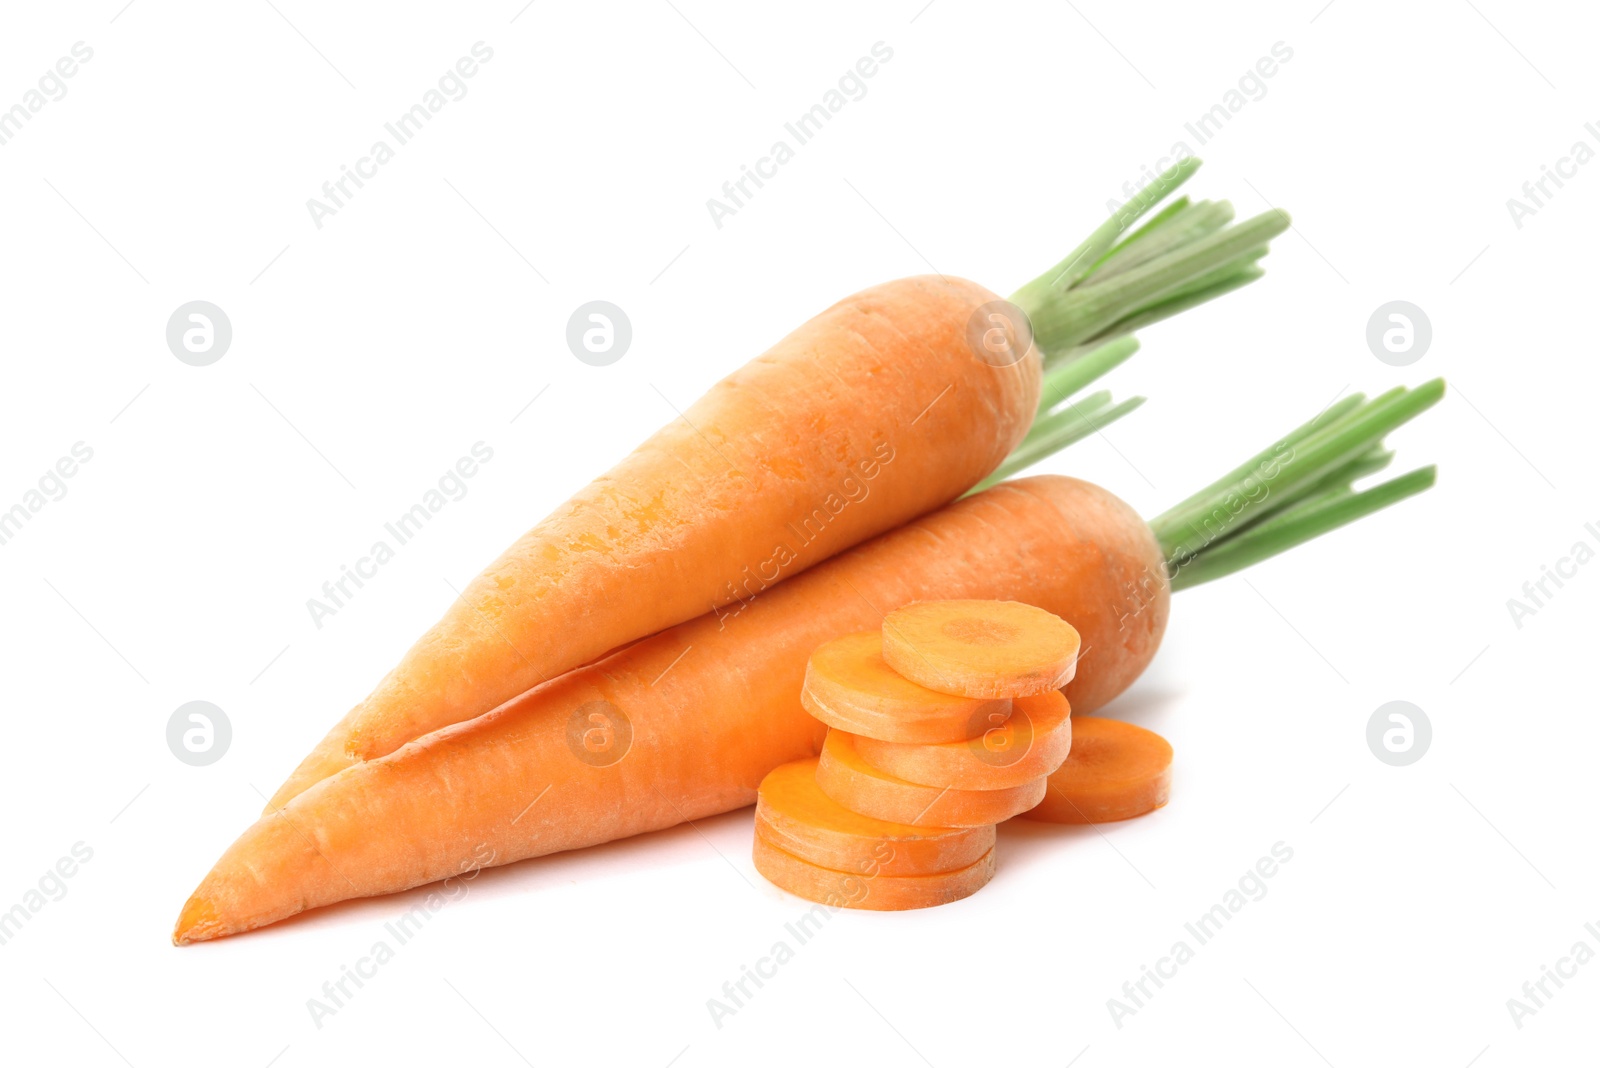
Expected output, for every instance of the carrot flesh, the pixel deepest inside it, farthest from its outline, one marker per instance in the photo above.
(878, 892)
(848, 685)
(793, 813)
(713, 706)
(1116, 771)
(981, 648)
(859, 786)
(1029, 745)
(775, 469)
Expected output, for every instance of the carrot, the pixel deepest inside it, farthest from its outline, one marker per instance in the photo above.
(1028, 746)
(980, 648)
(849, 686)
(711, 706)
(884, 893)
(859, 786)
(1115, 771)
(883, 407)
(794, 814)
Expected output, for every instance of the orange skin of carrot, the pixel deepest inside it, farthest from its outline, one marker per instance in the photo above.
(877, 891)
(705, 729)
(1116, 771)
(869, 415)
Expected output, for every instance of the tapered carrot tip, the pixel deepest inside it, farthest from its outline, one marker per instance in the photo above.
(849, 686)
(983, 649)
(1116, 771)
(197, 922)
(869, 890)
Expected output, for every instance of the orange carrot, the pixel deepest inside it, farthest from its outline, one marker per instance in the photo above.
(980, 648)
(1116, 771)
(883, 893)
(1011, 752)
(849, 686)
(708, 709)
(859, 786)
(833, 436)
(794, 814)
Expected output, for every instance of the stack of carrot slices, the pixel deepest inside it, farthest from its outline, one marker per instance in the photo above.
(948, 722)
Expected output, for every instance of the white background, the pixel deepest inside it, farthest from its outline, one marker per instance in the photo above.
(370, 354)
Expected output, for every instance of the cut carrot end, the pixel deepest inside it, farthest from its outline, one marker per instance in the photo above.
(980, 648)
(1011, 752)
(859, 786)
(794, 814)
(848, 685)
(879, 892)
(1116, 771)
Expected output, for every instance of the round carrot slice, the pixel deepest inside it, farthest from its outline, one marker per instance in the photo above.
(980, 648)
(1013, 752)
(849, 890)
(794, 813)
(1115, 771)
(860, 787)
(849, 686)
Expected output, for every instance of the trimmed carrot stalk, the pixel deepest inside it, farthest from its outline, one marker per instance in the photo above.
(708, 709)
(1116, 771)
(793, 813)
(849, 686)
(879, 892)
(768, 474)
(981, 648)
(1029, 745)
(859, 786)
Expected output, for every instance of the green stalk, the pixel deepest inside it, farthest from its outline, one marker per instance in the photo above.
(1201, 522)
(1074, 316)
(1070, 430)
(1284, 532)
(1114, 277)
(1068, 377)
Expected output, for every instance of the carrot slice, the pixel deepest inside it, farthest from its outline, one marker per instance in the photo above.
(980, 648)
(1013, 752)
(849, 686)
(793, 813)
(1115, 771)
(859, 786)
(883, 893)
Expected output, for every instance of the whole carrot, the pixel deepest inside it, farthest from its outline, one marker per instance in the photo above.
(882, 408)
(686, 723)
(699, 713)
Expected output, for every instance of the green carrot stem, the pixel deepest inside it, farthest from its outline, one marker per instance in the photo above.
(1170, 306)
(1032, 451)
(1066, 378)
(1069, 318)
(1161, 235)
(1330, 415)
(1080, 260)
(1190, 528)
(1283, 532)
